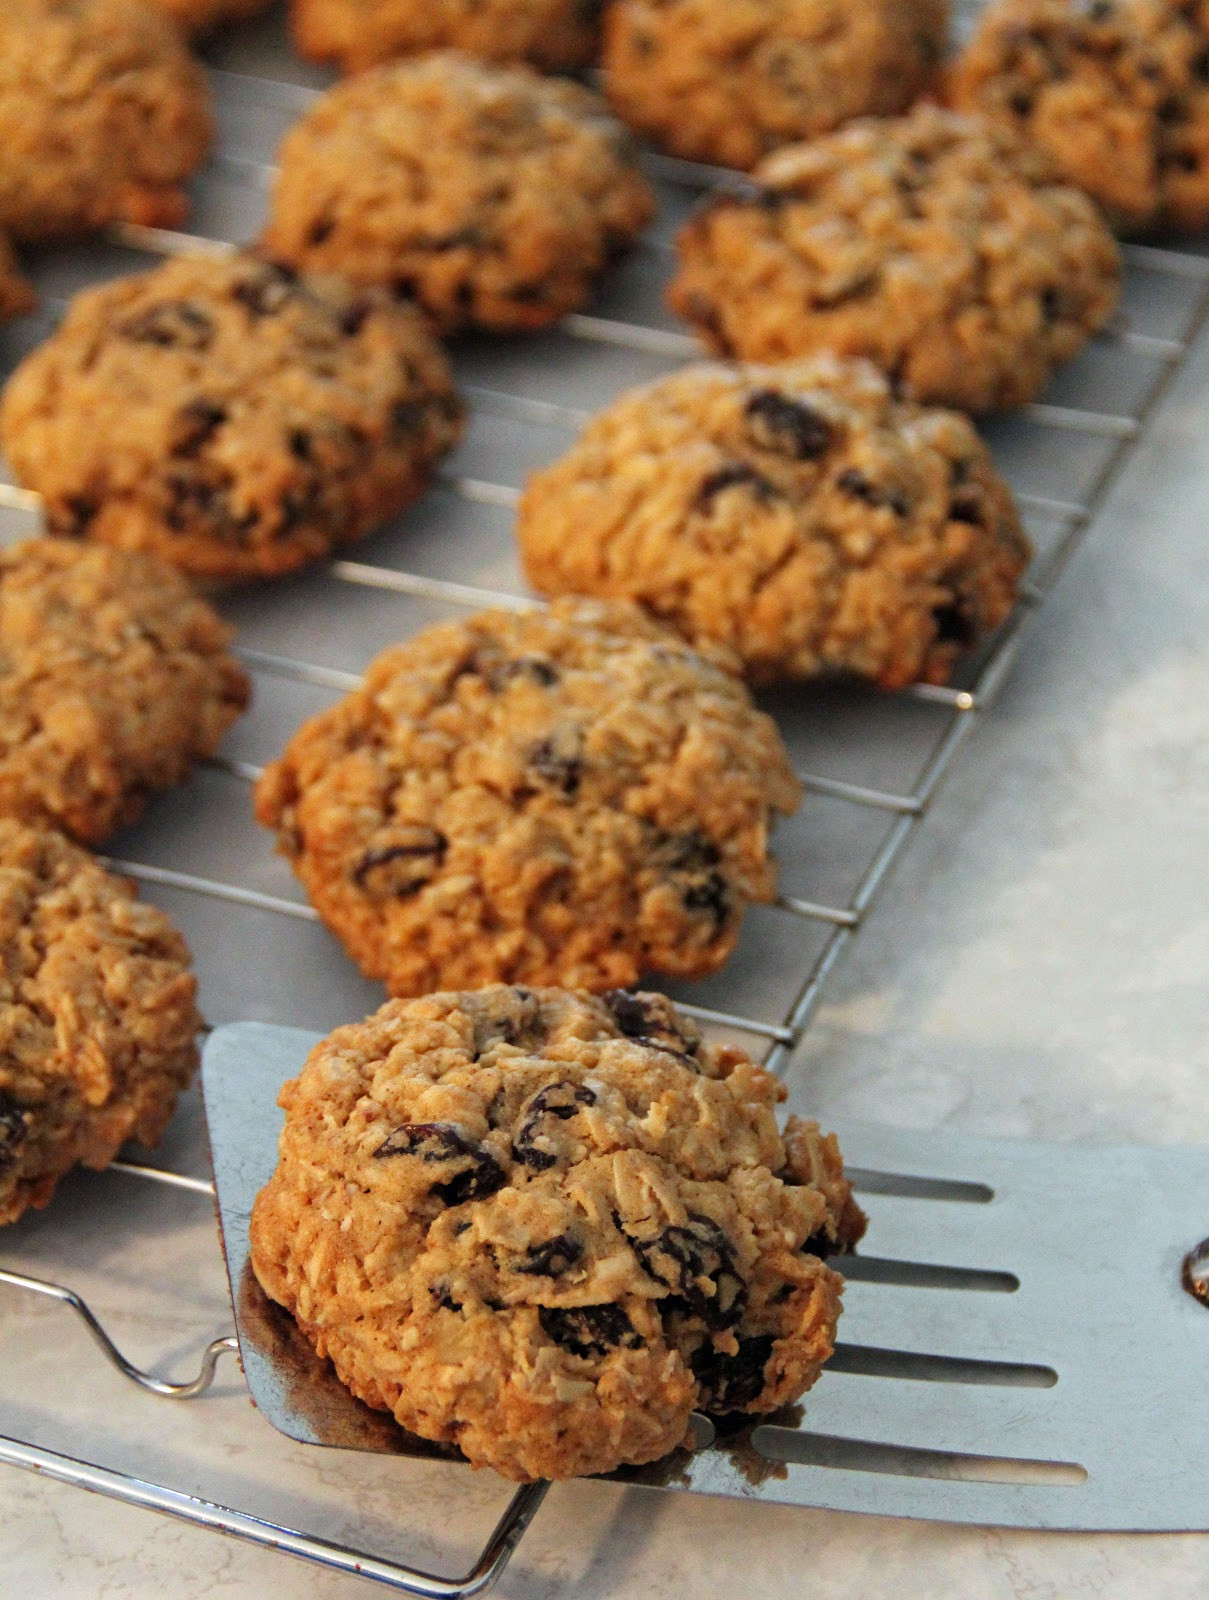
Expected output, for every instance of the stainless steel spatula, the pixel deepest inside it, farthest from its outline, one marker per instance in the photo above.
(1021, 1344)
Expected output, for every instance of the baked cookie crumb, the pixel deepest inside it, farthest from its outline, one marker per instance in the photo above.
(103, 115)
(493, 197)
(727, 83)
(569, 796)
(229, 416)
(1116, 92)
(555, 35)
(97, 1015)
(938, 246)
(798, 515)
(114, 678)
(547, 1227)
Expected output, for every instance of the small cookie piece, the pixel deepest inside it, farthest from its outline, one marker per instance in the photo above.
(728, 83)
(16, 296)
(97, 1015)
(568, 796)
(114, 678)
(546, 1228)
(229, 416)
(798, 515)
(939, 247)
(103, 115)
(1116, 91)
(197, 16)
(556, 35)
(491, 195)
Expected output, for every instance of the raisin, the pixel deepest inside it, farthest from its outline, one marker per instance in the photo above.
(713, 896)
(532, 669)
(734, 474)
(468, 238)
(729, 1383)
(776, 422)
(176, 324)
(195, 425)
(404, 865)
(650, 1020)
(300, 443)
(407, 417)
(524, 1029)
(562, 771)
(265, 294)
(13, 1128)
(553, 1258)
(688, 852)
(856, 484)
(196, 500)
(320, 230)
(80, 512)
(954, 627)
(965, 508)
(588, 1330)
(441, 1294)
(440, 1142)
(559, 1100)
(353, 320)
(1020, 102)
(681, 1257)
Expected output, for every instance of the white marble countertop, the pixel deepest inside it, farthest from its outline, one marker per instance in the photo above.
(1039, 967)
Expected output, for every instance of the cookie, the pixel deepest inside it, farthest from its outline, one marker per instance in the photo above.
(1116, 91)
(491, 195)
(938, 247)
(97, 1015)
(196, 16)
(798, 515)
(103, 115)
(229, 416)
(16, 296)
(547, 1228)
(728, 83)
(556, 35)
(114, 678)
(571, 796)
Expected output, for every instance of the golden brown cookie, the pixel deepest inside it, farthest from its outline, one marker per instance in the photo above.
(798, 515)
(97, 1015)
(556, 35)
(114, 679)
(937, 246)
(229, 416)
(727, 83)
(196, 16)
(16, 296)
(492, 196)
(568, 796)
(1116, 91)
(103, 115)
(546, 1227)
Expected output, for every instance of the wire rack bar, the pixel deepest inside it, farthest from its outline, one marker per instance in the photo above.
(321, 1552)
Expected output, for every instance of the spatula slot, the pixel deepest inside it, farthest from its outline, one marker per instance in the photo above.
(907, 1186)
(926, 1275)
(871, 1361)
(905, 1461)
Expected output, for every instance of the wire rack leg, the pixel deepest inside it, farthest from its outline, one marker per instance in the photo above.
(184, 1507)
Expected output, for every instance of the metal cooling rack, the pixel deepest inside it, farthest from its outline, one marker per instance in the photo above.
(871, 763)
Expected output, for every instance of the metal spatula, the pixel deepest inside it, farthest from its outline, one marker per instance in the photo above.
(1022, 1343)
